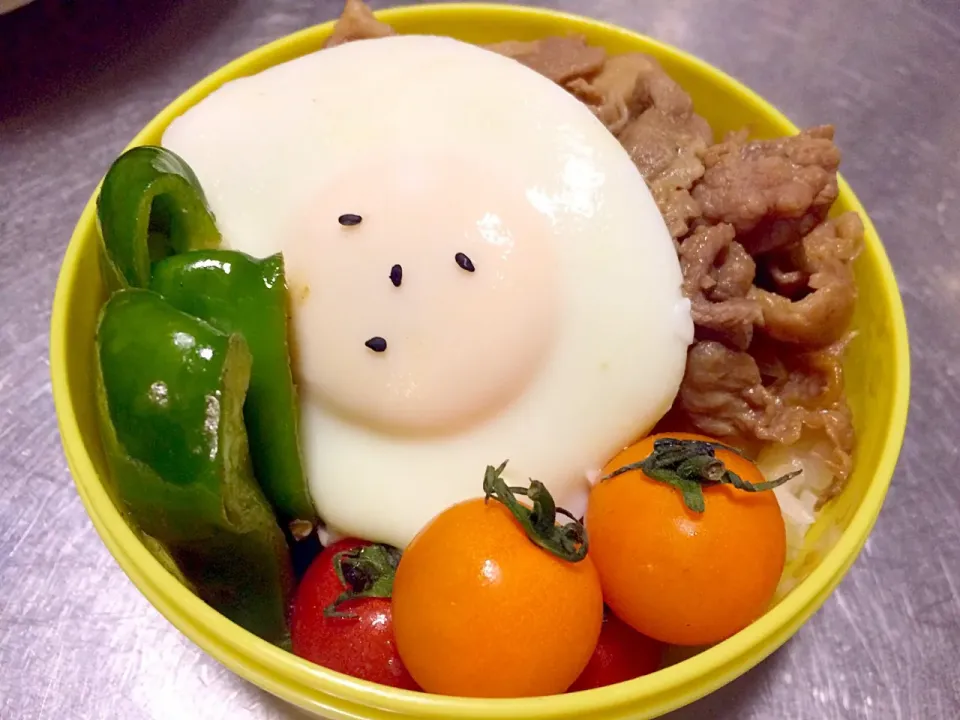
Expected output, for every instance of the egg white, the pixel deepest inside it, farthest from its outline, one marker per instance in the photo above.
(269, 148)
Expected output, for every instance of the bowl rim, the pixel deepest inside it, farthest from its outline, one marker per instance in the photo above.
(320, 689)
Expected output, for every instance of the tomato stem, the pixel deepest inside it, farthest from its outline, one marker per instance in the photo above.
(688, 465)
(567, 542)
(364, 572)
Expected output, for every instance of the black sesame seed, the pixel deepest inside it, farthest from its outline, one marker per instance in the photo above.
(377, 344)
(396, 275)
(464, 262)
(349, 219)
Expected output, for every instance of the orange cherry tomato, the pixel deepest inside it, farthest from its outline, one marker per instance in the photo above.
(680, 576)
(479, 610)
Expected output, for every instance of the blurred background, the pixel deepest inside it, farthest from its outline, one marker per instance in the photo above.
(79, 79)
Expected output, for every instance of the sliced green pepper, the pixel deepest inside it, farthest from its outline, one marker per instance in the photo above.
(162, 553)
(239, 294)
(150, 206)
(170, 391)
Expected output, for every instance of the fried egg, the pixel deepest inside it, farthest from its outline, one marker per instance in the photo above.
(477, 272)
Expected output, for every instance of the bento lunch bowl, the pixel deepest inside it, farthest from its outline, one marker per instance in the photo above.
(877, 380)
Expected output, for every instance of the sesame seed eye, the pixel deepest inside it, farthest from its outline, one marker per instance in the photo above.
(349, 219)
(396, 275)
(464, 262)
(377, 344)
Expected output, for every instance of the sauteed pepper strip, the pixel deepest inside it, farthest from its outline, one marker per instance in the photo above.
(150, 206)
(170, 392)
(239, 294)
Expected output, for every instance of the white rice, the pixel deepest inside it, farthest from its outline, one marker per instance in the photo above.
(798, 497)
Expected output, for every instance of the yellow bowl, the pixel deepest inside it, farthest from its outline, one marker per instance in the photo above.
(878, 385)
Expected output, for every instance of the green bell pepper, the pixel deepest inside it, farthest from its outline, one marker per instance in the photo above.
(239, 294)
(150, 206)
(170, 393)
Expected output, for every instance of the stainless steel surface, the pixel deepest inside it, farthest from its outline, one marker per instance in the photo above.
(77, 80)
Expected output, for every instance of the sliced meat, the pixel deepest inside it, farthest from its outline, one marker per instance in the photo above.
(654, 88)
(773, 235)
(735, 276)
(807, 379)
(611, 109)
(626, 86)
(677, 206)
(822, 317)
(722, 392)
(810, 383)
(726, 394)
(666, 149)
(561, 59)
(772, 191)
(357, 22)
(662, 144)
(780, 272)
(723, 312)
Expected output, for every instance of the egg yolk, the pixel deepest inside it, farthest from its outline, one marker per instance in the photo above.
(424, 291)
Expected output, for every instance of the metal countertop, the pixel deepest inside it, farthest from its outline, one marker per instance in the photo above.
(78, 79)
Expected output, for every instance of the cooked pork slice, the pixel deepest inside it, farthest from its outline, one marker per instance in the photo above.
(357, 22)
(561, 59)
(822, 316)
(717, 276)
(772, 191)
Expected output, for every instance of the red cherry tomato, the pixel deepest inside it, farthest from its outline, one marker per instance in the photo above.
(358, 640)
(621, 654)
